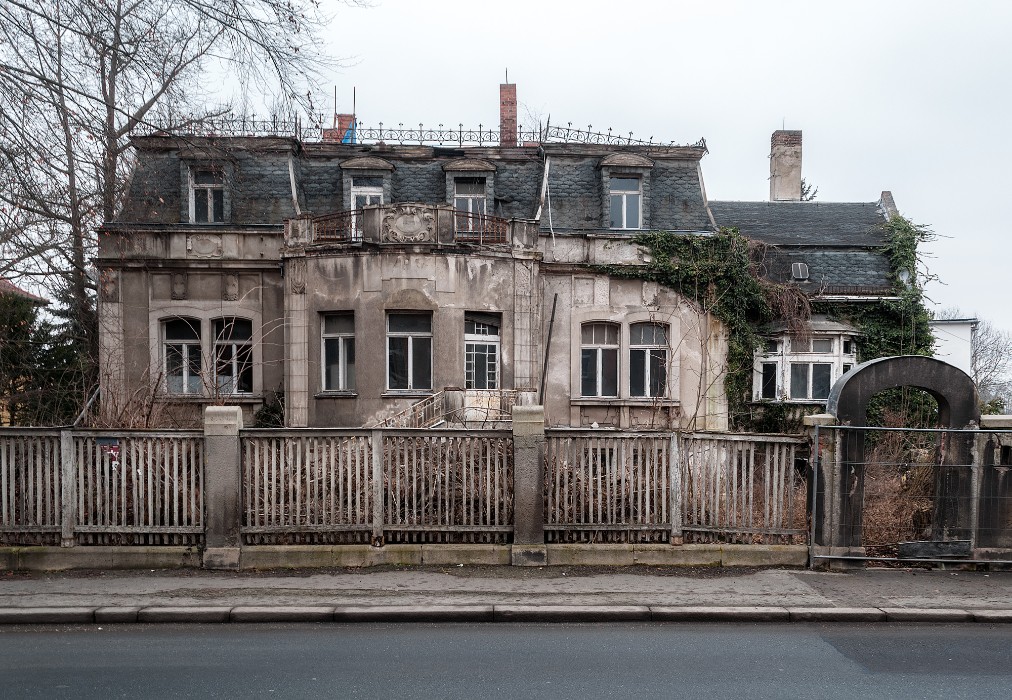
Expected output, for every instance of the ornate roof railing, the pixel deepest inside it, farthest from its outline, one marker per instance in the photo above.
(440, 135)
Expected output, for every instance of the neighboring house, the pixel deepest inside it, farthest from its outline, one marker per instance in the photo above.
(374, 278)
(16, 321)
(954, 339)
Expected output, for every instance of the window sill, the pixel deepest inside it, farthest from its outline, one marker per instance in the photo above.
(804, 402)
(406, 393)
(336, 395)
(195, 398)
(616, 401)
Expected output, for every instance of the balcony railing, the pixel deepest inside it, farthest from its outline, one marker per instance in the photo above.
(342, 227)
(414, 224)
(480, 228)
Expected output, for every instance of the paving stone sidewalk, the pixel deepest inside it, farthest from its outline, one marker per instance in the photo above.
(479, 593)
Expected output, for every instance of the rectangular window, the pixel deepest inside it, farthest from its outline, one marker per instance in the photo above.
(470, 221)
(768, 389)
(599, 359)
(181, 338)
(339, 352)
(409, 351)
(233, 355)
(207, 197)
(481, 351)
(810, 380)
(626, 199)
(648, 359)
(817, 345)
(365, 192)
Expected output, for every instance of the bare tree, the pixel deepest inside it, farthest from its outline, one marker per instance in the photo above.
(78, 77)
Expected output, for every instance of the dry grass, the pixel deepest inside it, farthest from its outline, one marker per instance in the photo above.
(899, 487)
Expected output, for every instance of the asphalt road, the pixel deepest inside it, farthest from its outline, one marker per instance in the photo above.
(507, 661)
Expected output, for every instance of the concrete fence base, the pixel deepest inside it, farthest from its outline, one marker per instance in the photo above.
(325, 556)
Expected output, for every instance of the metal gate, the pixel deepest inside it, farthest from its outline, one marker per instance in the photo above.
(912, 495)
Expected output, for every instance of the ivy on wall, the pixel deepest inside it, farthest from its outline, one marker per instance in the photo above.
(723, 274)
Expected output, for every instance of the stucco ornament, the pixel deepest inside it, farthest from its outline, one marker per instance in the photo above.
(297, 273)
(204, 245)
(231, 288)
(408, 223)
(178, 285)
(109, 285)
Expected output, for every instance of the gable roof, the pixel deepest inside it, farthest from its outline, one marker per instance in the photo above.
(12, 289)
(805, 223)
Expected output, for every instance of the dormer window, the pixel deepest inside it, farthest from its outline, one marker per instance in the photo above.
(626, 203)
(207, 197)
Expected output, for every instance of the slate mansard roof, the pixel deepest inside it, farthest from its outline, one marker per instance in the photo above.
(805, 223)
(840, 242)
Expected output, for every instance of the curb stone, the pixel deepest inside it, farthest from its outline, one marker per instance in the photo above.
(661, 613)
(413, 613)
(184, 614)
(927, 615)
(571, 613)
(836, 615)
(487, 613)
(259, 613)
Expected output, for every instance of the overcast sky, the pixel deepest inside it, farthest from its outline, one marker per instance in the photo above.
(907, 96)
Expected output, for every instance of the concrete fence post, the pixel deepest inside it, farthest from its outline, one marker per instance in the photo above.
(824, 497)
(222, 486)
(529, 486)
(68, 489)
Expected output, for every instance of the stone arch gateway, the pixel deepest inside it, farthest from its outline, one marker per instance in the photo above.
(958, 408)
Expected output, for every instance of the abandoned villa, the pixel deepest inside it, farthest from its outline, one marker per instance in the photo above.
(383, 277)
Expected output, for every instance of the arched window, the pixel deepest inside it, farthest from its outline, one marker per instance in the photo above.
(599, 359)
(648, 359)
(181, 356)
(233, 355)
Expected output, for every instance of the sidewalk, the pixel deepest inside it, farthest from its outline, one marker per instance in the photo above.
(480, 593)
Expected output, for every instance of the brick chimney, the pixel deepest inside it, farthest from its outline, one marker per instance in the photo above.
(508, 115)
(785, 166)
(344, 132)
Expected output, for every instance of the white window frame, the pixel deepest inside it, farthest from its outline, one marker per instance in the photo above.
(598, 349)
(207, 191)
(487, 335)
(785, 351)
(344, 341)
(240, 360)
(649, 349)
(412, 337)
(623, 196)
(188, 350)
(373, 195)
(474, 205)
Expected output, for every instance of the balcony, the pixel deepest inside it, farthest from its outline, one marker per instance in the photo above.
(411, 224)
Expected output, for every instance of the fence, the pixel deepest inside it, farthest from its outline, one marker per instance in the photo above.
(748, 489)
(650, 487)
(341, 487)
(614, 488)
(398, 486)
(92, 487)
